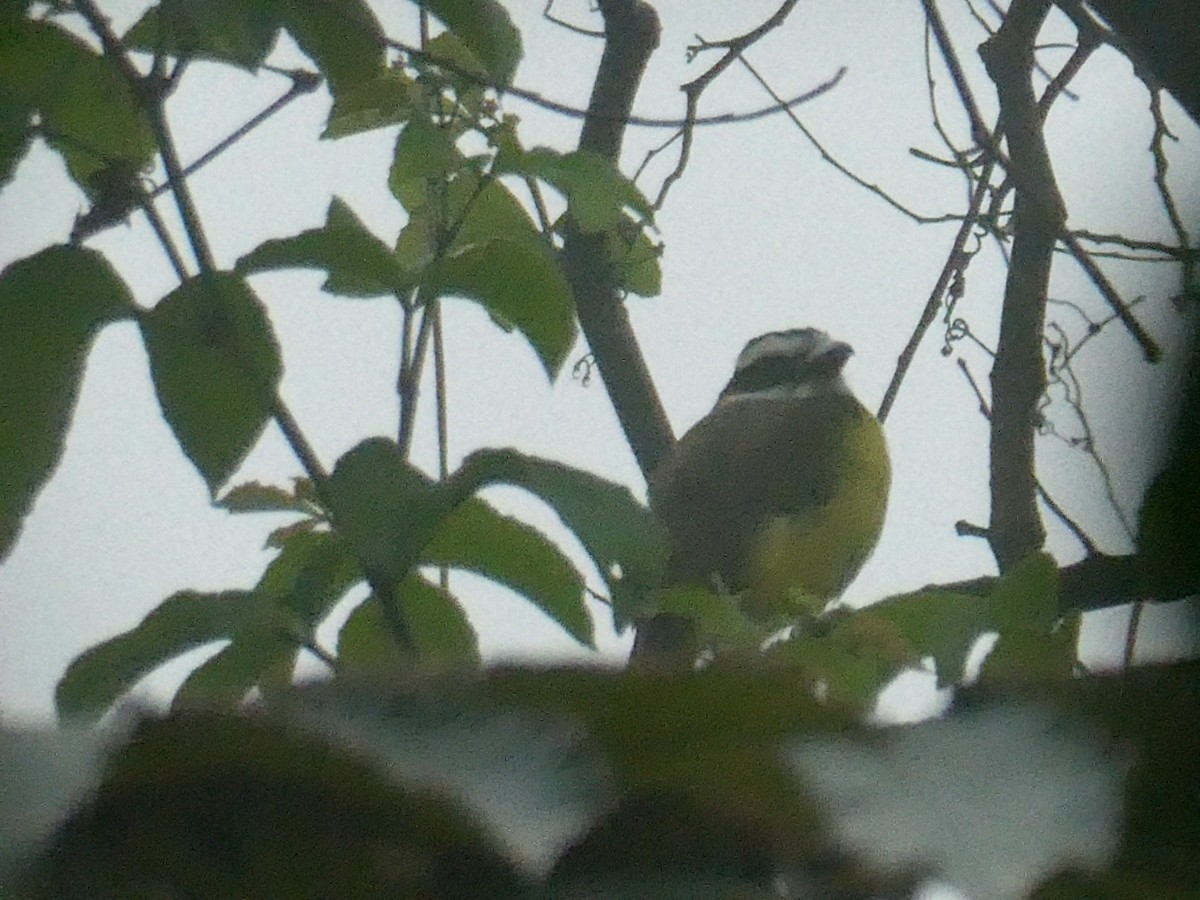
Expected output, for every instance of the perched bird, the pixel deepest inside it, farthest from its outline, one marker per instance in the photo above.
(778, 495)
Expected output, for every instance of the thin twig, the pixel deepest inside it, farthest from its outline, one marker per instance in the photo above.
(1161, 165)
(1167, 250)
(956, 261)
(734, 48)
(150, 100)
(164, 239)
(1069, 523)
(979, 131)
(827, 157)
(562, 23)
(410, 383)
(1061, 373)
(574, 112)
(441, 404)
(302, 83)
(1150, 349)
(1131, 633)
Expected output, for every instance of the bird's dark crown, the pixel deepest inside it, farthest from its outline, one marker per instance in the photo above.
(792, 358)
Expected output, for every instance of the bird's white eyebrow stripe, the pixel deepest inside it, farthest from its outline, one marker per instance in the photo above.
(798, 342)
(800, 391)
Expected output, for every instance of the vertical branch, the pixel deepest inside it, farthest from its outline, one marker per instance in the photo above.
(1018, 374)
(631, 33)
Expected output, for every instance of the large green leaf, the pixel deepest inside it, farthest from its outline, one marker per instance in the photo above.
(225, 678)
(426, 154)
(848, 657)
(311, 573)
(241, 32)
(256, 497)
(521, 286)
(1027, 597)
(484, 27)
(184, 621)
(636, 260)
(87, 111)
(597, 194)
(441, 632)
(939, 624)
(389, 98)
(342, 37)
(51, 306)
(619, 533)
(477, 538)
(385, 508)
(478, 209)
(216, 365)
(358, 264)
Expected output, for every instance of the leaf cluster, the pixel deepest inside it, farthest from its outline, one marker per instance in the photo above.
(569, 783)
(216, 363)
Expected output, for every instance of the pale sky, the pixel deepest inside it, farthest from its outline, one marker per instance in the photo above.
(759, 234)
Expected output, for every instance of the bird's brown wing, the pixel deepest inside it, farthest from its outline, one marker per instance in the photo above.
(775, 456)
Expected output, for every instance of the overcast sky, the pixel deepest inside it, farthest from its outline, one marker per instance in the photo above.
(760, 234)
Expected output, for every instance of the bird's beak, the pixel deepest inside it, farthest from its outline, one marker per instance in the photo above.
(835, 357)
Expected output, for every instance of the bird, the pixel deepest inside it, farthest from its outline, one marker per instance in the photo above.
(778, 495)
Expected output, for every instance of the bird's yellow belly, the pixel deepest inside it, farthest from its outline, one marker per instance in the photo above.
(799, 562)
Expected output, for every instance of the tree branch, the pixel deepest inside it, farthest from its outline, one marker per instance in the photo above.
(1095, 582)
(1018, 375)
(632, 31)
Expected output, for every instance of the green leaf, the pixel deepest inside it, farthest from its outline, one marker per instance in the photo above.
(619, 533)
(940, 624)
(224, 679)
(358, 263)
(241, 32)
(310, 575)
(257, 497)
(484, 209)
(87, 111)
(281, 535)
(51, 306)
(15, 135)
(719, 620)
(342, 37)
(440, 631)
(636, 263)
(425, 154)
(1027, 597)
(477, 538)
(216, 365)
(1023, 654)
(385, 508)
(485, 28)
(184, 621)
(478, 210)
(597, 194)
(520, 286)
(389, 98)
(848, 656)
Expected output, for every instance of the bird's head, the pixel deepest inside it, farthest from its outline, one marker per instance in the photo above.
(797, 363)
